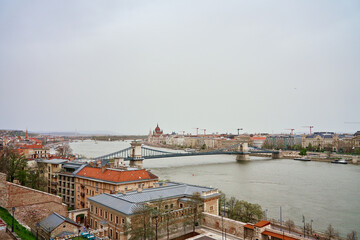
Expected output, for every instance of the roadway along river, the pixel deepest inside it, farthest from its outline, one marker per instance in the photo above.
(324, 192)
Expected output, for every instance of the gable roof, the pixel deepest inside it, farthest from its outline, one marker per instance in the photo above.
(116, 175)
(53, 221)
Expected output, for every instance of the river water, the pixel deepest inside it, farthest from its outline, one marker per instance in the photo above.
(324, 192)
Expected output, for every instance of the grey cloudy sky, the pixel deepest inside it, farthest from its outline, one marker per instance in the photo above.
(123, 66)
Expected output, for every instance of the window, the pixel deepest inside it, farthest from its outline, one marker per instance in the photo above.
(116, 236)
(96, 210)
(110, 232)
(101, 212)
(92, 208)
(117, 219)
(166, 206)
(181, 205)
(97, 187)
(105, 214)
(171, 205)
(95, 224)
(123, 220)
(111, 217)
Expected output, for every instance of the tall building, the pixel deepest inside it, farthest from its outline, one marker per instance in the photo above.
(49, 170)
(157, 136)
(66, 182)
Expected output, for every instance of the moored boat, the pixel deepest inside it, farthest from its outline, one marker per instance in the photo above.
(306, 159)
(342, 161)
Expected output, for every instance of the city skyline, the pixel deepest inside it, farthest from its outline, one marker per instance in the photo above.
(122, 67)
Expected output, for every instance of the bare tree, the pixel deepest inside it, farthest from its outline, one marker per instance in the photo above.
(290, 224)
(330, 233)
(63, 150)
(352, 236)
(308, 228)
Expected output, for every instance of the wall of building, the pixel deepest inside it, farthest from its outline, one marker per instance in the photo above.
(216, 222)
(85, 188)
(68, 227)
(31, 205)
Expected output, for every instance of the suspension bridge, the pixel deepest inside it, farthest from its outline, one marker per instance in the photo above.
(138, 152)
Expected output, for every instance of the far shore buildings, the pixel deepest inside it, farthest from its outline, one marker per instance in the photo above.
(109, 212)
(91, 181)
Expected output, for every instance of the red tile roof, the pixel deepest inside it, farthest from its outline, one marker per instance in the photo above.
(258, 138)
(249, 226)
(279, 236)
(33, 146)
(262, 223)
(116, 176)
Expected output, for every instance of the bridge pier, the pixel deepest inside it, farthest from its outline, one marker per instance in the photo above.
(276, 155)
(243, 157)
(244, 147)
(136, 159)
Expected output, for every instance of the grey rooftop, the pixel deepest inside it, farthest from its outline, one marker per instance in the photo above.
(52, 161)
(53, 221)
(129, 202)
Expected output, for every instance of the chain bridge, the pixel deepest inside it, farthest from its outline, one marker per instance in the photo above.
(137, 152)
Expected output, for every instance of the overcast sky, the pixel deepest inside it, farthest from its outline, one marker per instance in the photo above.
(124, 66)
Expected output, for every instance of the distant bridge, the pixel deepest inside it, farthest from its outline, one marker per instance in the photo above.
(138, 152)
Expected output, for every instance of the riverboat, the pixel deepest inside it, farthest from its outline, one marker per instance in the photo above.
(306, 159)
(342, 161)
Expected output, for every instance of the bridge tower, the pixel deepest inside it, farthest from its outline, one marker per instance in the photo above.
(136, 159)
(245, 156)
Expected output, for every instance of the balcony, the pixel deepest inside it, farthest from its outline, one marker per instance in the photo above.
(82, 194)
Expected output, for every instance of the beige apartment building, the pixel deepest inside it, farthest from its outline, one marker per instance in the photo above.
(92, 181)
(49, 169)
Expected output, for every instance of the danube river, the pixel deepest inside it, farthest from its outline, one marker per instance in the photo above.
(324, 192)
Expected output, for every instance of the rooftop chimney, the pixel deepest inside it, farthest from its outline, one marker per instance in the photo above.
(103, 168)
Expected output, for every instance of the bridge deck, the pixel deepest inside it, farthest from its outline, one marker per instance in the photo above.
(149, 153)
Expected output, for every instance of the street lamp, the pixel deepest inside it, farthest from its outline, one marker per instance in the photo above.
(265, 214)
(13, 220)
(37, 231)
(304, 224)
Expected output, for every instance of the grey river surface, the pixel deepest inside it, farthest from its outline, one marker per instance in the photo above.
(324, 192)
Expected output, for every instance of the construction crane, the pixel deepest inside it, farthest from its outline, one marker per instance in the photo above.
(309, 127)
(204, 131)
(292, 131)
(197, 131)
(239, 129)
